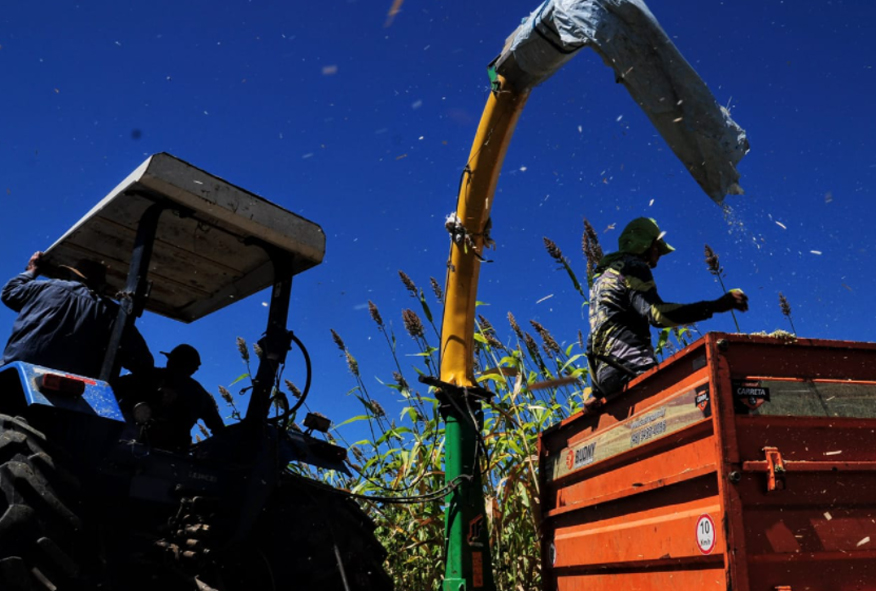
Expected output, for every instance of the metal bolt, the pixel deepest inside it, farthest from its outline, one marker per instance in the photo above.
(734, 476)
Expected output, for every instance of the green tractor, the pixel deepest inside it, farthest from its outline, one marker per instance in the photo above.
(86, 502)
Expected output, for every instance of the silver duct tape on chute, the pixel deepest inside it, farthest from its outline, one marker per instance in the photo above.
(630, 40)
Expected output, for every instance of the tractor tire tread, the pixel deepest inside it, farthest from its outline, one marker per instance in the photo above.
(35, 523)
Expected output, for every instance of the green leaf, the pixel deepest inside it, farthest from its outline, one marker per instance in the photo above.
(662, 339)
(571, 361)
(353, 420)
(427, 353)
(425, 306)
(510, 361)
(578, 372)
(239, 378)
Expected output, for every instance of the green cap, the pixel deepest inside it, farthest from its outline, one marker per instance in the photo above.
(638, 236)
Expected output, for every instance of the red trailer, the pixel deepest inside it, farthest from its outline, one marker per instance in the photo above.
(743, 463)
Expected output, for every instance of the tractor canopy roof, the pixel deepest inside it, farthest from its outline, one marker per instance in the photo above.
(201, 260)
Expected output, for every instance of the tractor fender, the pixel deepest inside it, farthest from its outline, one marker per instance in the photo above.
(25, 385)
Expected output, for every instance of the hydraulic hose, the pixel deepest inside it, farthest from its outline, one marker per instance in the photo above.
(308, 369)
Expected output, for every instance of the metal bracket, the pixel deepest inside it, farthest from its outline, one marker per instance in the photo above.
(775, 471)
(446, 389)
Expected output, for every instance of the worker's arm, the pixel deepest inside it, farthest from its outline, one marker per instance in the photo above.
(647, 302)
(209, 411)
(134, 352)
(21, 289)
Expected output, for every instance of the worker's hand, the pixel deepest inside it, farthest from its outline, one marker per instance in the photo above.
(594, 403)
(734, 299)
(34, 263)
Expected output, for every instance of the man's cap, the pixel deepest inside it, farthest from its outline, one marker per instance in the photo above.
(184, 354)
(91, 272)
(640, 234)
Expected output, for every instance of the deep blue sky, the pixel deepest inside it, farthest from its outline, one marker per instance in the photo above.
(364, 128)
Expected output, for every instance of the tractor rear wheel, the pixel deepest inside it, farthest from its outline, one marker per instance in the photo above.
(310, 536)
(38, 529)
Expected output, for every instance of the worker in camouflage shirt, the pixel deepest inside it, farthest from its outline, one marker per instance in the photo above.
(624, 302)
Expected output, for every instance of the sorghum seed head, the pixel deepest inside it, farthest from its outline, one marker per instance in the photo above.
(591, 248)
(293, 389)
(550, 345)
(409, 285)
(352, 364)
(413, 324)
(226, 395)
(375, 313)
(531, 346)
(489, 333)
(553, 249)
(783, 303)
(493, 341)
(338, 340)
(436, 289)
(242, 349)
(377, 409)
(514, 326)
(712, 261)
(593, 239)
(400, 380)
(485, 324)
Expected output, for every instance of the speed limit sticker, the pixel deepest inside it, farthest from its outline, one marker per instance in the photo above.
(706, 534)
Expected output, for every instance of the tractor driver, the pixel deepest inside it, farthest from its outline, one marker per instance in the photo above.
(176, 399)
(66, 324)
(624, 301)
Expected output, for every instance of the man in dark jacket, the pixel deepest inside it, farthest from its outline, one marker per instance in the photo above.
(177, 400)
(66, 325)
(624, 302)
